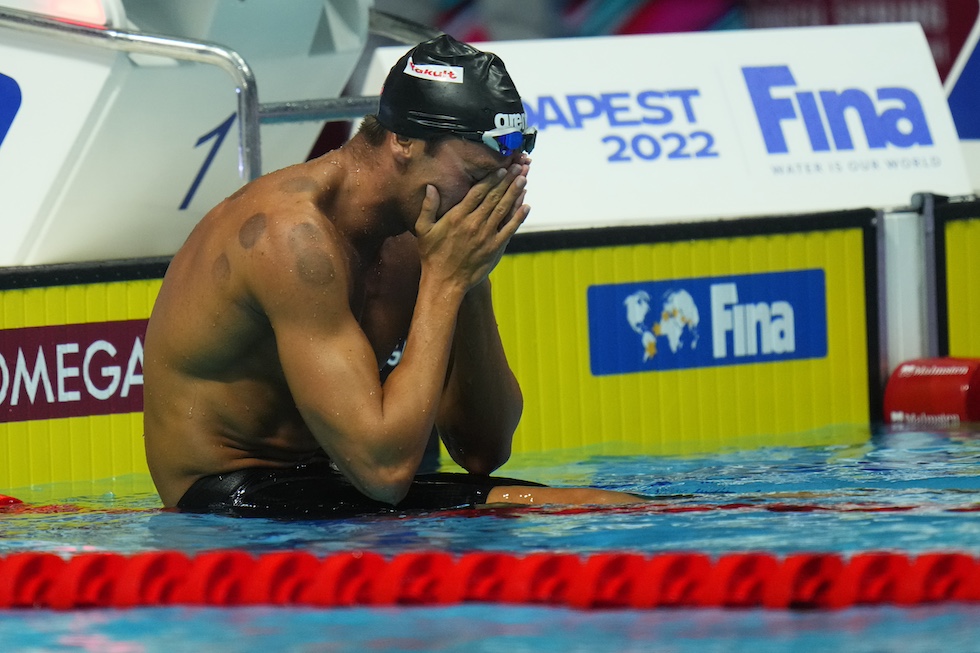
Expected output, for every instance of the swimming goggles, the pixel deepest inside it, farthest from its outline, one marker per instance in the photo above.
(506, 140)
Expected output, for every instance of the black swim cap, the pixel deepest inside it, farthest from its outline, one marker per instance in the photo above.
(443, 86)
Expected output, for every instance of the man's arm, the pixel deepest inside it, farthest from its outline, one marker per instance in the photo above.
(377, 434)
(482, 403)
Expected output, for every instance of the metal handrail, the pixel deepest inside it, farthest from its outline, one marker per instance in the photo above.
(250, 112)
(332, 109)
(249, 149)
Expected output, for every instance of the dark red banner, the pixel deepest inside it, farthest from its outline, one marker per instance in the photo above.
(946, 23)
(71, 370)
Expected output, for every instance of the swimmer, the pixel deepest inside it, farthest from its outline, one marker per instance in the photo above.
(262, 386)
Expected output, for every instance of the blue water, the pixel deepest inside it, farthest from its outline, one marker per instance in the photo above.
(909, 492)
(478, 629)
(902, 491)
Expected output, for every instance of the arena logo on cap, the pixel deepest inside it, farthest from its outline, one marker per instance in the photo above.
(515, 120)
(435, 72)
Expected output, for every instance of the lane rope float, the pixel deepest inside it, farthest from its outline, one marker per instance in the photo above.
(604, 580)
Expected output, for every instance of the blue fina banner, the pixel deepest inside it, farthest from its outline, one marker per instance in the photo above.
(707, 322)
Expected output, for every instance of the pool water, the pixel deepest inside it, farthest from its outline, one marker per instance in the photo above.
(478, 629)
(903, 491)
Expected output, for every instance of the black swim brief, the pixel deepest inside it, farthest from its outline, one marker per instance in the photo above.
(319, 491)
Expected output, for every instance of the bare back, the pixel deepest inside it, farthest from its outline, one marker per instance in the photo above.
(217, 398)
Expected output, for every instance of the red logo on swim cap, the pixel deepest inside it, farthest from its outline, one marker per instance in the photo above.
(435, 72)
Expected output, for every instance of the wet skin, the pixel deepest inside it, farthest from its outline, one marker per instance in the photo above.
(274, 318)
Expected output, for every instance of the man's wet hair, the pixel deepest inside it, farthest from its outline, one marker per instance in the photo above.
(375, 133)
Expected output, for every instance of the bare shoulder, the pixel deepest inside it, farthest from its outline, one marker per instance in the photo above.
(285, 246)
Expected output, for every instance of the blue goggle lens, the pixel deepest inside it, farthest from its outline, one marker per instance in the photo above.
(511, 141)
(508, 143)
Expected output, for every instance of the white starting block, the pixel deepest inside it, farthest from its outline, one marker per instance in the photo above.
(107, 154)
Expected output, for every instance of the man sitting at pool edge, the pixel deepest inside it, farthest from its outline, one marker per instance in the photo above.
(262, 390)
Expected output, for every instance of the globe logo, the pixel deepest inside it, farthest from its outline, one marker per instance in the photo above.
(678, 321)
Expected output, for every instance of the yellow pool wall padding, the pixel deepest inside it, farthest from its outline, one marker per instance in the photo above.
(963, 287)
(540, 299)
(541, 308)
(74, 448)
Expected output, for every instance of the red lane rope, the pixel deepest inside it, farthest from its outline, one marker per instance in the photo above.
(9, 501)
(606, 580)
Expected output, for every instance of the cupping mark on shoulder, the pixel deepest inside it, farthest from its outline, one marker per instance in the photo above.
(221, 269)
(298, 185)
(312, 262)
(251, 230)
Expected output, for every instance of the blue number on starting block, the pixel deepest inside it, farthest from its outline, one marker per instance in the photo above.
(9, 103)
(218, 134)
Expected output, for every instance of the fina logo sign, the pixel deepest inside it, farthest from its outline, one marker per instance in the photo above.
(893, 117)
(707, 322)
(10, 99)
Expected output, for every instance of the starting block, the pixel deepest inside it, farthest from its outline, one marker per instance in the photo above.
(117, 154)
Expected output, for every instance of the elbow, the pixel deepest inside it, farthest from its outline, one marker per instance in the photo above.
(496, 458)
(388, 485)
(491, 456)
(484, 461)
(488, 464)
